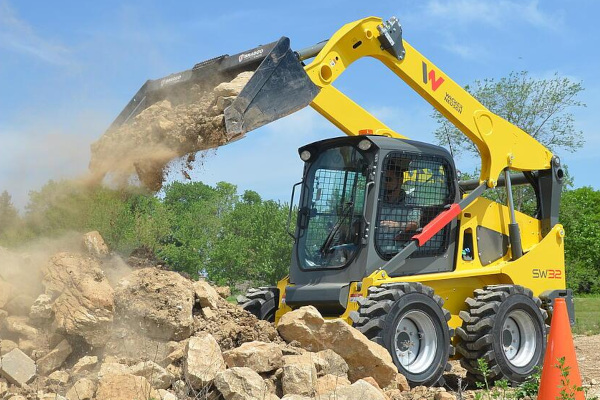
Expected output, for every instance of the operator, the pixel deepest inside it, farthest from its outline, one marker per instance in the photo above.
(398, 215)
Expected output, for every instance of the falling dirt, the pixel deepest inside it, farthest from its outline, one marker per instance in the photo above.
(168, 129)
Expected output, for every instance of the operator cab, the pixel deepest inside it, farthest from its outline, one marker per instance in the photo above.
(362, 200)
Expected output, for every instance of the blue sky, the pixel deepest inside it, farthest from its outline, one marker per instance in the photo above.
(67, 68)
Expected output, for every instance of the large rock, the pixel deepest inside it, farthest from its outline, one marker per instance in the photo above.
(233, 88)
(330, 383)
(53, 360)
(19, 305)
(204, 360)
(125, 387)
(83, 389)
(84, 300)
(7, 346)
(240, 383)
(95, 245)
(112, 368)
(359, 390)
(158, 377)
(258, 356)
(160, 302)
(333, 363)
(17, 368)
(364, 357)
(299, 378)
(85, 364)
(206, 295)
(223, 291)
(41, 310)
(59, 378)
(20, 326)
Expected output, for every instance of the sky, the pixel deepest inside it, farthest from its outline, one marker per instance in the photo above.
(67, 68)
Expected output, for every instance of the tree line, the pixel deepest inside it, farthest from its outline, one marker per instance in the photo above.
(231, 237)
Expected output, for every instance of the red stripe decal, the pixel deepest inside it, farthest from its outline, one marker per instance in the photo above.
(437, 224)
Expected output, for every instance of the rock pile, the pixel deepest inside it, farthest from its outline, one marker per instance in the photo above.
(158, 335)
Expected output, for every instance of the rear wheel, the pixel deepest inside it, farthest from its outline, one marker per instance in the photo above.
(504, 326)
(409, 321)
(261, 302)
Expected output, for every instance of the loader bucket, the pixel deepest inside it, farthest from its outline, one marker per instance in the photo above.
(279, 87)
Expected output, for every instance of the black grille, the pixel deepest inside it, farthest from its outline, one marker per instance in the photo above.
(414, 189)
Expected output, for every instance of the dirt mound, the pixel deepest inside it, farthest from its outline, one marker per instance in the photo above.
(166, 332)
(164, 131)
(231, 326)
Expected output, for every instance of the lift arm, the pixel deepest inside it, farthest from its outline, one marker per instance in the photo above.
(500, 143)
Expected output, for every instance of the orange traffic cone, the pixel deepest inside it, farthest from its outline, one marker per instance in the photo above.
(560, 344)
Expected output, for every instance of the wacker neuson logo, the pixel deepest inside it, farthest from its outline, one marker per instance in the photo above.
(171, 79)
(252, 54)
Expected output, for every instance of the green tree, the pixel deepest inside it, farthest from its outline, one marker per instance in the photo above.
(253, 245)
(580, 215)
(10, 222)
(126, 218)
(196, 212)
(540, 107)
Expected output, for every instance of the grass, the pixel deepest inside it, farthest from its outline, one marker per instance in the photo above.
(587, 315)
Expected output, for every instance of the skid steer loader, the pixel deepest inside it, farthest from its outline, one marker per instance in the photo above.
(386, 237)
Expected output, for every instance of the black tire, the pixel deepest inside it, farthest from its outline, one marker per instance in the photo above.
(410, 308)
(505, 326)
(261, 302)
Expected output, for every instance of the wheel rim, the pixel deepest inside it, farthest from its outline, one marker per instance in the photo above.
(519, 338)
(415, 341)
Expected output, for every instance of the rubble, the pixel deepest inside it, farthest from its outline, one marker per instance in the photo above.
(364, 357)
(157, 302)
(53, 360)
(359, 390)
(125, 387)
(258, 356)
(95, 245)
(204, 360)
(299, 378)
(83, 389)
(160, 335)
(84, 364)
(17, 368)
(158, 377)
(84, 300)
(240, 383)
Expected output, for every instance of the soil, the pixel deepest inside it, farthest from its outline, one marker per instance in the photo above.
(588, 357)
(175, 127)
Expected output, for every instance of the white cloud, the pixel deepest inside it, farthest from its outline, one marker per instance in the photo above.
(18, 36)
(464, 51)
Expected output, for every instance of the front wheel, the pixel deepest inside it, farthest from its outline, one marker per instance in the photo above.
(409, 320)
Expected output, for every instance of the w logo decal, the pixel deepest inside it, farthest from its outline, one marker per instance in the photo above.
(430, 76)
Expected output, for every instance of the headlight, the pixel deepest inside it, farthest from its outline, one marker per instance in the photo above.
(365, 145)
(305, 155)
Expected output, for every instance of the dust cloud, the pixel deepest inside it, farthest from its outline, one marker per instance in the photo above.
(172, 128)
